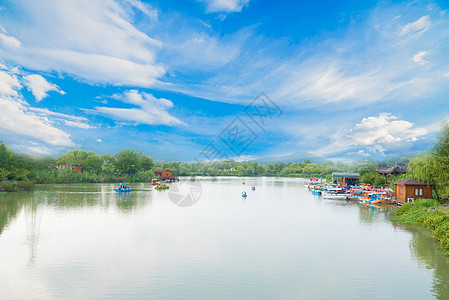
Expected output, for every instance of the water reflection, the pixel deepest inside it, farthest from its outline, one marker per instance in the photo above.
(10, 206)
(427, 252)
(280, 242)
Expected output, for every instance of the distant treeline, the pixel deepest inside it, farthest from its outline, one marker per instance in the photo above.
(20, 171)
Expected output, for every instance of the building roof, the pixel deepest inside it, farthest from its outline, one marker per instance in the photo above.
(346, 175)
(412, 181)
(394, 169)
(161, 170)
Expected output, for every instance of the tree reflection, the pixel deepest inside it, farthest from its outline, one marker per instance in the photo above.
(10, 206)
(427, 251)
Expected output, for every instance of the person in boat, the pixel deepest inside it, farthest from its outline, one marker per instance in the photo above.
(243, 193)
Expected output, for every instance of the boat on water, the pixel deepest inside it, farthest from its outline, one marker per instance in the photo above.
(244, 195)
(123, 187)
(314, 181)
(162, 186)
(155, 181)
(253, 188)
(382, 198)
(336, 195)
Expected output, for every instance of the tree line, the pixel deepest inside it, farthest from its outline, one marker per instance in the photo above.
(18, 170)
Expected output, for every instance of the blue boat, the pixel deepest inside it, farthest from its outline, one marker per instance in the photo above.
(244, 195)
(123, 188)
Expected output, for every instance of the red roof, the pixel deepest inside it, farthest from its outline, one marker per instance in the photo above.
(412, 181)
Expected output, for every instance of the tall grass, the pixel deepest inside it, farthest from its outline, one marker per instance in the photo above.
(89, 177)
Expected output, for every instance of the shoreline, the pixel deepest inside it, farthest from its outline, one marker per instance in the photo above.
(425, 214)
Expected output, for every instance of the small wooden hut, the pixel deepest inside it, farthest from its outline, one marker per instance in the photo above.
(410, 189)
(69, 167)
(165, 175)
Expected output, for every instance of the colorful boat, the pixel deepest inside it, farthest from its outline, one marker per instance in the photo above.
(123, 187)
(154, 181)
(253, 188)
(244, 195)
(162, 187)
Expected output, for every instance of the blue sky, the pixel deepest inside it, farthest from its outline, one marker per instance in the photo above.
(353, 79)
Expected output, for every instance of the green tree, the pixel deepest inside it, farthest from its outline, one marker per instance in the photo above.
(126, 161)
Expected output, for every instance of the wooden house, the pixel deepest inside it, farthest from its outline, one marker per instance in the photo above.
(410, 189)
(164, 174)
(69, 167)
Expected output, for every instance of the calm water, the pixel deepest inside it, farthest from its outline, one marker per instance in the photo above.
(281, 242)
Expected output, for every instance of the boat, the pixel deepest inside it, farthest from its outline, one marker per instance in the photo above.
(161, 187)
(244, 195)
(313, 181)
(154, 181)
(253, 188)
(123, 187)
(382, 198)
(335, 196)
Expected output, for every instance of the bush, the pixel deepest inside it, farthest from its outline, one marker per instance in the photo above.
(417, 213)
(13, 185)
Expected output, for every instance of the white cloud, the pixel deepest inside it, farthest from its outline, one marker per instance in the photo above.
(59, 35)
(375, 134)
(9, 84)
(150, 110)
(39, 86)
(77, 124)
(225, 5)
(419, 58)
(418, 27)
(182, 52)
(385, 129)
(46, 112)
(15, 119)
(9, 41)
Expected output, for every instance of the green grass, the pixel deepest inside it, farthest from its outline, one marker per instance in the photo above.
(444, 210)
(417, 213)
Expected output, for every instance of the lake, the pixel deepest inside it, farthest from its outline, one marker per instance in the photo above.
(85, 241)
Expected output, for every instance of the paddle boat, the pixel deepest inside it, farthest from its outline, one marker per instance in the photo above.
(243, 182)
(154, 181)
(162, 186)
(382, 198)
(123, 187)
(244, 195)
(253, 188)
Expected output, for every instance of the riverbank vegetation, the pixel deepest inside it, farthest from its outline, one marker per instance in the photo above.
(433, 166)
(19, 171)
(429, 214)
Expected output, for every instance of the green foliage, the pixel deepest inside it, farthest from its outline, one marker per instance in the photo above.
(417, 213)
(13, 185)
(126, 162)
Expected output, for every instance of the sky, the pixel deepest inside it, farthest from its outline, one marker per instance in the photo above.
(213, 79)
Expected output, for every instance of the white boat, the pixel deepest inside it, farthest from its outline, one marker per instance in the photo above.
(335, 196)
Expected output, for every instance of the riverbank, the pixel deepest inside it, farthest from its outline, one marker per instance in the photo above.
(15, 185)
(426, 213)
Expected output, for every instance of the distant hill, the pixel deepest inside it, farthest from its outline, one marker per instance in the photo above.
(297, 157)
